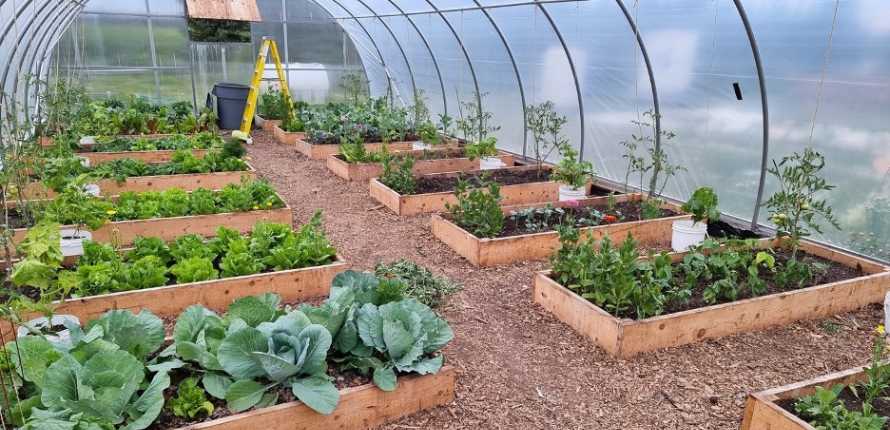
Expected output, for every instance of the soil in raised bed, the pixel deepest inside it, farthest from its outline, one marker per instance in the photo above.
(881, 404)
(834, 272)
(622, 212)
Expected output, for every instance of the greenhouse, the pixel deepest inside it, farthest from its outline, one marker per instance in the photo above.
(431, 214)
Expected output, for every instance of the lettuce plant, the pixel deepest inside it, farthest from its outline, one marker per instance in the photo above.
(190, 400)
(194, 269)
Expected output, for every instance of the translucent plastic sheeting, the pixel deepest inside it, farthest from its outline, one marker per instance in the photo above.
(423, 66)
(496, 76)
(698, 51)
(542, 62)
(828, 70)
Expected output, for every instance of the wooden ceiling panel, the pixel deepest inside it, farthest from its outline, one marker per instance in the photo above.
(238, 10)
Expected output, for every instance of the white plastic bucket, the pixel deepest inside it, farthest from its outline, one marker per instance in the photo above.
(491, 163)
(420, 146)
(92, 189)
(687, 234)
(72, 241)
(84, 161)
(87, 140)
(42, 322)
(568, 193)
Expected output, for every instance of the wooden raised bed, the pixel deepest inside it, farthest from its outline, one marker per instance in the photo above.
(124, 233)
(285, 137)
(150, 157)
(485, 252)
(186, 182)
(362, 407)
(763, 413)
(625, 337)
(169, 301)
(321, 152)
(46, 141)
(269, 124)
(366, 171)
(414, 204)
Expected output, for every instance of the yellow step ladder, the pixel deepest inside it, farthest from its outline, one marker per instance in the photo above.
(268, 47)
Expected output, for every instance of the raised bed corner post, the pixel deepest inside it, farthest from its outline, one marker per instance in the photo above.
(463, 49)
(655, 104)
(371, 38)
(398, 45)
(515, 71)
(764, 107)
(565, 47)
(430, 50)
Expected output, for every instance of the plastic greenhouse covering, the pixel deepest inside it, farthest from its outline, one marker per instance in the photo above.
(739, 82)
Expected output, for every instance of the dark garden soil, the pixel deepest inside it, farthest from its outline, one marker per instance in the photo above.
(881, 405)
(169, 421)
(621, 212)
(442, 183)
(831, 272)
(519, 367)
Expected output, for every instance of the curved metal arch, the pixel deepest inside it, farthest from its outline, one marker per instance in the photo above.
(515, 71)
(463, 49)
(48, 45)
(398, 45)
(21, 60)
(565, 48)
(649, 70)
(13, 23)
(430, 50)
(764, 107)
(389, 77)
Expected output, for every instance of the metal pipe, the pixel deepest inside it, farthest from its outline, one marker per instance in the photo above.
(565, 48)
(471, 8)
(764, 106)
(371, 38)
(398, 45)
(649, 70)
(516, 72)
(432, 55)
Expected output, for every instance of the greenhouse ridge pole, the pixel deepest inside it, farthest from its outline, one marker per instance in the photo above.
(656, 105)
(764, 154)
(398, 45)
(432, 55)
(515, 71)
(565, 48)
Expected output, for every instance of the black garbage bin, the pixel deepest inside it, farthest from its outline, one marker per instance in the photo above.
(231, 100)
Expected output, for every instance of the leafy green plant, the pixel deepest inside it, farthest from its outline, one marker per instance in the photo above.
(795, 208)
(420, 282)
(194, 269)
(570, 170)
(400, 178)
(546, 127)
(482, 148)
(478, 210)
(190, 400)
(703, 205)
(273, 105)
(654, 161)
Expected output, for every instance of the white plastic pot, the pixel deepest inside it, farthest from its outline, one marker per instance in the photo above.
(92, 189)
(420, 146)
(491, 163)
(84, 161)
(568, 193)
(87, 140)
(687, 233)
(72, 241)
(39, 323)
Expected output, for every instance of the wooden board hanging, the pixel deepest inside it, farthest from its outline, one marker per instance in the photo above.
(237, 10)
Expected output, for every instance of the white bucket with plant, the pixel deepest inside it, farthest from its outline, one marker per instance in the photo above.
(572, 174)
(87, 140)
(486, 151)
(72, 241)
(42, 257)
(703, 207)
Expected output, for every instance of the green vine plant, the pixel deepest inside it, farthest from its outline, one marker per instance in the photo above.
(353, 87)
(478, 210)
(474, 122)
(653, 162)
(546, 127)
(796, 208)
